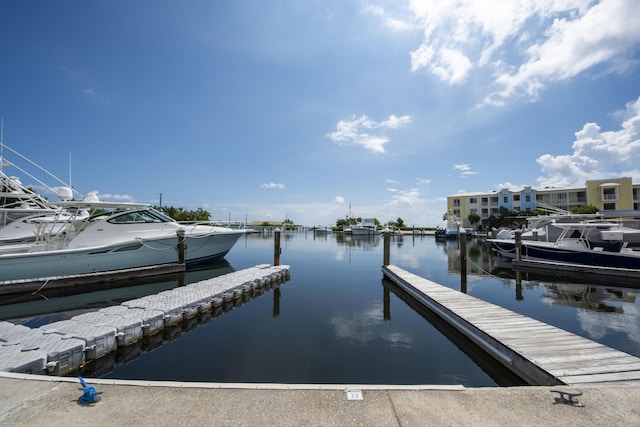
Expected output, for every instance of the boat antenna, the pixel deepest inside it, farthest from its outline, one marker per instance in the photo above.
(70, 186)
(37, 166)
(1, 143)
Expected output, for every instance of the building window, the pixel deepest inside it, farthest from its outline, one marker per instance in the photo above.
(456, 203)
(609, 194)
(527, 198)
(516, 197)
(473, 200)
(609, 207)
(494, 200)
(456, 212)
(505, 199)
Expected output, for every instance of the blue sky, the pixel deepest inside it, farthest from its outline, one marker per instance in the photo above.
(274, 109)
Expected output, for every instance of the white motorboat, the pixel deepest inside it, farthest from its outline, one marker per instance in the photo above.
(365, 228)
(322, 229)
(16, 201)
(128, 236)
(25, 229)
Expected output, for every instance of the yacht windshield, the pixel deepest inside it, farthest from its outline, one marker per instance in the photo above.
(137, 217)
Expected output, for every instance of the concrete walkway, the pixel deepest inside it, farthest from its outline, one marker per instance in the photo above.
(51, 401)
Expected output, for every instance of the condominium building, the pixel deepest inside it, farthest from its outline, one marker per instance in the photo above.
(608, 195)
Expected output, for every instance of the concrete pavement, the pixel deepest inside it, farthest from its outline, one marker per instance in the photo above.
(38, 401)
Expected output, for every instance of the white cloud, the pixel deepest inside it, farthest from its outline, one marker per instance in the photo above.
(423, 181)
(118, 197)
(525, 44)
(409, 197)
(602, 35)
(338, 200)
(391, 22)
(366, 132)
(452, 66)
(465, 170)
(597, 154)
(272, 185)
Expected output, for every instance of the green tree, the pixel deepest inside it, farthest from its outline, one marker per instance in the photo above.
(181, 214)
(474, 218)
(584, 209)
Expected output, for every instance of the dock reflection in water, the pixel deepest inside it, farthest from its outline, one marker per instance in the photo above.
(334, 323)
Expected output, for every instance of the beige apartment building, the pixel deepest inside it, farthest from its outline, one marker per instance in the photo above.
(608, 195)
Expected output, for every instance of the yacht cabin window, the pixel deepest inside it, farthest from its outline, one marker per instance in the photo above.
(137, 217)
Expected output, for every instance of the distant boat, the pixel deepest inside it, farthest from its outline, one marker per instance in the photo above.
(365, 228)
(322, 229)
(452, 230)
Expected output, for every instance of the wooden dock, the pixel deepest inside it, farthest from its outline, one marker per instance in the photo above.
(539, 353)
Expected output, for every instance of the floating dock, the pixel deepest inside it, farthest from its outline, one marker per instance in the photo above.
(14, 287)
(625, 276)
(538, 353)
(65, 346)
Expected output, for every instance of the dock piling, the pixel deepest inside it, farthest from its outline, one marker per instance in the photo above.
(180, 246)
(276, 247)
(462, 238)
(387, 248)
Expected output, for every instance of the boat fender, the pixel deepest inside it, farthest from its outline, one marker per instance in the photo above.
(90, 394)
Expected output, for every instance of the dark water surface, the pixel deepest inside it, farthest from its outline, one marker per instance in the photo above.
(336, 321)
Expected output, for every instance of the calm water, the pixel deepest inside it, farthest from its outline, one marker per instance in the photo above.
(336, 321)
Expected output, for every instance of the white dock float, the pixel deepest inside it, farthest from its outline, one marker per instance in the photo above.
(152, 320)
(173, 310)
(129, 329)
(103, 332)
(18, 360)
(539, 353)
(63, 354)
(100, 340)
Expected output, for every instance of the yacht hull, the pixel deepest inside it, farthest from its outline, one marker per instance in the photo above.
(128, 254)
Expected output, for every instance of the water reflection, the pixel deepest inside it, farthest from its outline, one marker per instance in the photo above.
(364, 326)
(46, 306)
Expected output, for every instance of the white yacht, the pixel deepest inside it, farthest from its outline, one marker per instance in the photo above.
(365, 228)
(128, 236)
